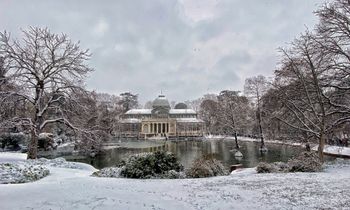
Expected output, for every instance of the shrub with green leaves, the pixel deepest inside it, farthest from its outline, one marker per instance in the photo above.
(149, 165)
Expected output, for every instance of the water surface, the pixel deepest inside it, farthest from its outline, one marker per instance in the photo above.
(188, 151)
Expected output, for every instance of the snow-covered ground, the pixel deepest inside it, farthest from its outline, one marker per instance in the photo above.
(335, 150)
(74, 188)
(242, 138)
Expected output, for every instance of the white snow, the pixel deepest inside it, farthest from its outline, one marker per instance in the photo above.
(74, 188)
(149, 111)
(131, 120)
(66, 147)
(189, 120)
(45, 135)
(139, 111)
(214, 137)
(182, 111)
(241, 138)
(335, 150)
(8, 157)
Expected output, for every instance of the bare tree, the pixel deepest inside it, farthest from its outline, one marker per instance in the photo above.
(2, 73)
(209, 111)
(255, 88)
(303, 80)
(333, 37)
(234, 112)
(47, 67)
(313, 80)
(128, 101)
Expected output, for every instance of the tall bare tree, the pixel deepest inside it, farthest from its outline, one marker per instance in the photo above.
(333, 37)
(314, 77)
(255, 88)
(303, 80)
(47, 67)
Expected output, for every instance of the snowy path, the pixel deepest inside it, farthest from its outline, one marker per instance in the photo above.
(335, 151)
(75, 189)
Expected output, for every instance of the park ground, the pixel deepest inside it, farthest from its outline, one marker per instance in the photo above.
(71, 186)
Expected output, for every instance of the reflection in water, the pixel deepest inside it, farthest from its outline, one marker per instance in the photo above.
(188, 151)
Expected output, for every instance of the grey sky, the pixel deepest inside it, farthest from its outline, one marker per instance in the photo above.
(184, 47)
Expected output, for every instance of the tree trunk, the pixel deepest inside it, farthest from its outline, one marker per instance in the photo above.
(37, 121)
(262, 146)
(236, 140)
(321, 147)
(33, 146)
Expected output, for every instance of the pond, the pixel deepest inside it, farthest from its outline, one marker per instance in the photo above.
(188, 151)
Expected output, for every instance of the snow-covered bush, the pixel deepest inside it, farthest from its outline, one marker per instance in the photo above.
(148, 165)
(172, 174)
(57, 162)
(305, 162)
(264, 167)
(276, 167)
(108, 172)
(46, 141)
(11, 173)
(206, 167)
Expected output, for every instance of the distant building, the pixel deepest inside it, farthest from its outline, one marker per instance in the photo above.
(161, 121)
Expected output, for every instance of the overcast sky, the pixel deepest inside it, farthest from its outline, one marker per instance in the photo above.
(185, 48)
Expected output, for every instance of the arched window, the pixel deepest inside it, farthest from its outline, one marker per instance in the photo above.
(145, 128)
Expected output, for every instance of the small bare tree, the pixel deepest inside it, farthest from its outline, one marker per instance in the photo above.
(234, 112)
(209, 114)
(47, 67)
(255, 88)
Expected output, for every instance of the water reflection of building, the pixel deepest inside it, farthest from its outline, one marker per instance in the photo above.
(161, 121)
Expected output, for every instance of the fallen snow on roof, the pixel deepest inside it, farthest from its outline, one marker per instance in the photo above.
(171, 111)
(182, 111)
(131, 120)
(139, 111)
(189, 120)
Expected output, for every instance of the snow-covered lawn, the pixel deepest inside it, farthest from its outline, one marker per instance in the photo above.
(74, 188)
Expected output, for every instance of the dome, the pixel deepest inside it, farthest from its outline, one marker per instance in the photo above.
(161, 101)
(181, 106)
